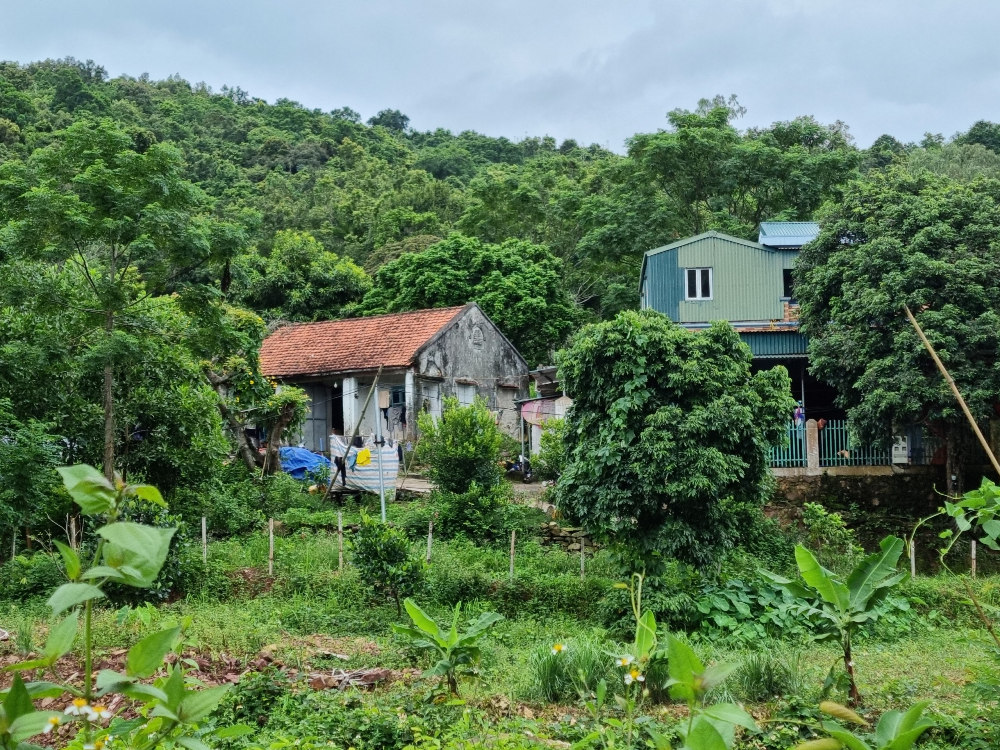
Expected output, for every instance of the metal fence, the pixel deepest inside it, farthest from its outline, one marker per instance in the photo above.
(837, 448)
(793, 451)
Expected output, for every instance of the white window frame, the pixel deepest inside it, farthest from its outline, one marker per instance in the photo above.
(466, 394)
(698, 282)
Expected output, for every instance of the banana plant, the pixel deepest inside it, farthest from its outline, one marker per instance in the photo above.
(709, 727)
(454, 650)
(844, 606)
(130, 554)
(896, 730)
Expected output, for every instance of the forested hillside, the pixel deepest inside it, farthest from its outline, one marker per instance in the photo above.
(150, 231)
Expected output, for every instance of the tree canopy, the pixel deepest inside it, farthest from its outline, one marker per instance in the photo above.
(668, 435)
(897, 239)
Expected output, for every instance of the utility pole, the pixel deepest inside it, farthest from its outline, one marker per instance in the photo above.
(379, 442)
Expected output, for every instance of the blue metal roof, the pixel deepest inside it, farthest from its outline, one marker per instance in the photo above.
(787, 234)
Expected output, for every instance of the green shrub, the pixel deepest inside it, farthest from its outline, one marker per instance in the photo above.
(342, 720)
(251, 701)
(826, 534)
(461, 447)
(29, 575)
(551, 458)
(385, 560)
(766, 675)
(481, 513)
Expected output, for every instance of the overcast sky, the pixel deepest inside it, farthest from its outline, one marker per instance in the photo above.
(593, 70)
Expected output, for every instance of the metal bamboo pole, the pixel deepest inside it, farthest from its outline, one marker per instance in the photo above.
(270, 547)
(513, 537)
(340, 540)
(954, 389)
(430, 537)
(204, 541)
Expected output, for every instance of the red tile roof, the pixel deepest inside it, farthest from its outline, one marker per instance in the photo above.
(334, 346)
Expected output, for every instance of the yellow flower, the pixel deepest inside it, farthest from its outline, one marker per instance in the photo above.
(54, 721)
(558, 648)
(634, 676)
(98, 712)
(624, 661)
(78, 707)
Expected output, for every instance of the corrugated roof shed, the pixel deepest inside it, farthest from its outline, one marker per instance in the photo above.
(787, 234)
(355, 344)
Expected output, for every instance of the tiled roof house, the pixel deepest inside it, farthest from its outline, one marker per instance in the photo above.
(426, 356)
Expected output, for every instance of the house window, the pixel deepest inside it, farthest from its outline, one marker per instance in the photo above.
(788, 284)
(466, 394)
(699, 283)
(397, 397)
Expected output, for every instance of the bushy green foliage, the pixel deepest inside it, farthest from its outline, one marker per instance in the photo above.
(667, 426)
(551, 459)
(461, 447)
(28, 576)
(29, 492)
(385, 560)
(924, 241)
(482, 514)
(835, 545)
(517, 284)
(556, 668)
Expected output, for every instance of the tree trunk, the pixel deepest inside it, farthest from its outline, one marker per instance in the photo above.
(854, 695)
(109, 406)
(251, 459)
(271, 462)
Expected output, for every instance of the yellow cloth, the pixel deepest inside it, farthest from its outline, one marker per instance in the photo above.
(364, 457)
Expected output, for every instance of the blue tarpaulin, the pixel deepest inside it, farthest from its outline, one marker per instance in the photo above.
(299, 461)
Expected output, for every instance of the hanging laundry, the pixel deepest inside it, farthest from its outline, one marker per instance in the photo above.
(364, 457)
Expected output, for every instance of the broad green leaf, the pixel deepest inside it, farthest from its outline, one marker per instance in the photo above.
(70, 559)
(839, 733)
(192, 743)
(906, 740)
(485, 621)
(149, 493)
(140, 692)
(660, 742)
(872, 571)
(911, 719)
(822, 580)
(645, 635)
(173, 687)
(145, 657)
(23, 666)
(89, 488)
(683, 665)
(731, 713)
(109, 677)
(70, 594)
(825, 743)
(61, 637)
(161, 710)
(704, 736)
(39, 690)
(137, 551)
(101, 571)
(837, 711)
(30, 724)
(197, 705)
(423, 621)
(716, 674)
(18, 702)
(233, 730)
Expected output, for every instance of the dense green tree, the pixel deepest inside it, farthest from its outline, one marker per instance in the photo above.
(116, 208)
(924, 241)
(517, 284)
(960, 161)
(983, 133)
(667, 437)
(299, 280)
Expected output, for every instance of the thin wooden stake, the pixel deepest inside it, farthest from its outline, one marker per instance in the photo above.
(913, 558)
(270, 549)
(430, 537)
(954, 389)
(340, 539)
(583, 546)
(72, 532)
(513, 538)
(204, 540)
(973, 558)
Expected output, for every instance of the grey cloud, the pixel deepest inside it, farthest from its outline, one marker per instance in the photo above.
(594, 71)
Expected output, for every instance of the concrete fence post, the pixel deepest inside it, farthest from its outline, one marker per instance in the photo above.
(812, 447)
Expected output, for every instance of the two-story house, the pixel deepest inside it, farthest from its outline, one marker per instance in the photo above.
(714, 276)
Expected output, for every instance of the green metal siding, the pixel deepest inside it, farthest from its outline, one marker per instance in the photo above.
(775, 344)
(663, 284)
(747, 279)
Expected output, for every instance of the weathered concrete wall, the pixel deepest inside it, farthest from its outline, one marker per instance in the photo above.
(474, 357)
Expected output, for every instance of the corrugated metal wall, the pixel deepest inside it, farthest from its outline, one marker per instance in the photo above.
(775, 344)
(747, 281)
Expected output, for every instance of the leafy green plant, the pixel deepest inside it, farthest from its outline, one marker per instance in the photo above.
(385, 559)
(551, 459)
(766, 675)
(835, 545)
(844, 606)
(556, 669)
(172, 711)
(457, 653)
(896, 730)
(462, 446)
